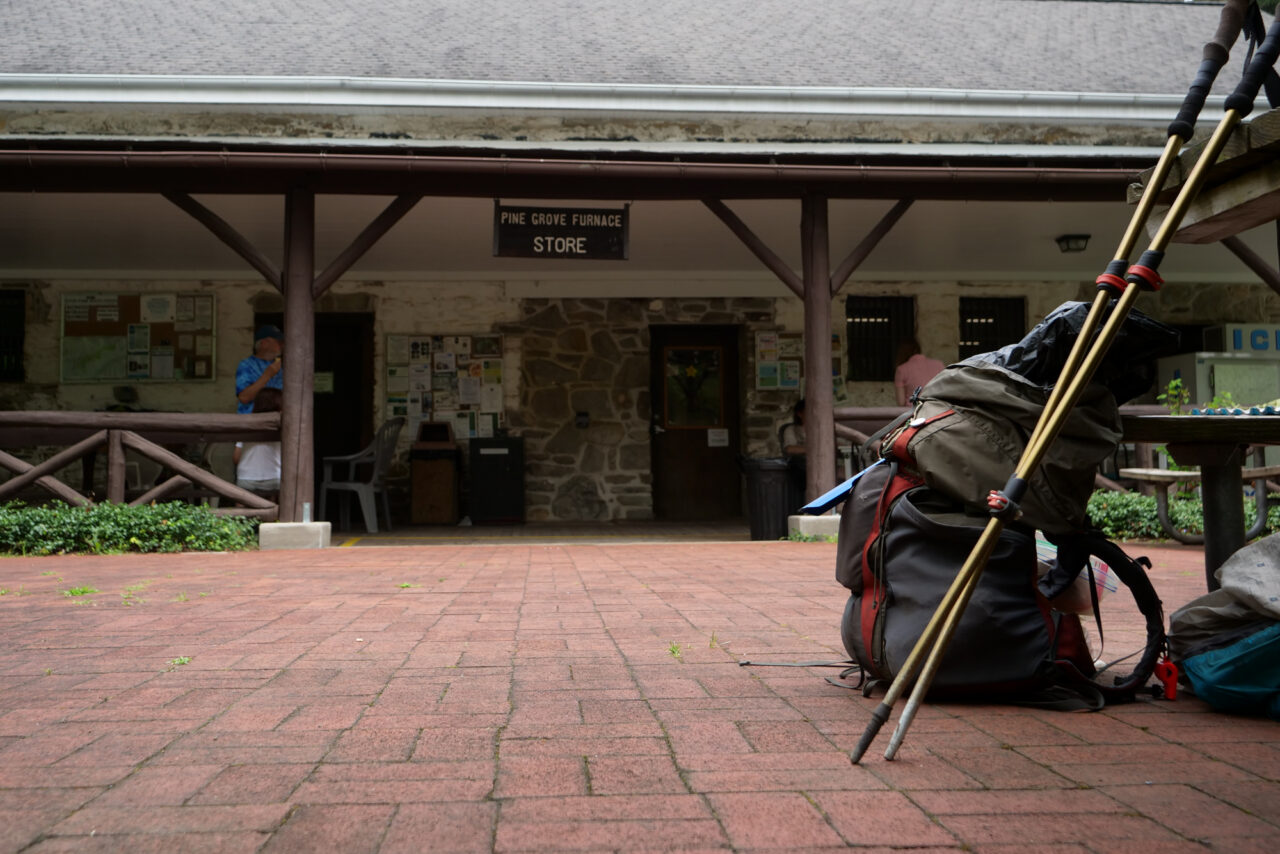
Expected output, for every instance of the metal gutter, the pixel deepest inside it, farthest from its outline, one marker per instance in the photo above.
(358, 94)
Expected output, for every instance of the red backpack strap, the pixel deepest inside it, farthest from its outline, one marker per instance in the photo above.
(874, 590)
(898, 449)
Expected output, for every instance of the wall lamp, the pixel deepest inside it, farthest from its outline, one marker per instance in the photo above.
(1072, 242)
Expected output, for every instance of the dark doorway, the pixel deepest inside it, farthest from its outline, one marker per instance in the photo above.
(343, 398)
(694, 430)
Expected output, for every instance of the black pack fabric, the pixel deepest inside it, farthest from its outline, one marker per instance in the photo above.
(902, 543)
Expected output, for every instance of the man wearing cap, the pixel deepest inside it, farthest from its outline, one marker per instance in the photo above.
(261, 370)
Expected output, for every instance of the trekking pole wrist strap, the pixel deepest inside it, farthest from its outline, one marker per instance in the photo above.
(1006, 503)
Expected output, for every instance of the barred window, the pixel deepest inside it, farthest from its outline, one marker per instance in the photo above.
(13, 315)
(875, 326)
(989, 323)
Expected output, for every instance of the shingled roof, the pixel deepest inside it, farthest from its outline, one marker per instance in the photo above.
(1020, 45)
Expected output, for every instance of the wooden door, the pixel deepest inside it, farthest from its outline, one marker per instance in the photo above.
(695, 425)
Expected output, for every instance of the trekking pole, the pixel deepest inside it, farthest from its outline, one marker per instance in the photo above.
(1004, 503)
(1111, 282)
(1141, 277)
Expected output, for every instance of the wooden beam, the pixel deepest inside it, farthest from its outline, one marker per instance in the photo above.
(52, 484)
(1240, 204)
(193, 472)
(863, 249)
(1254, 261)
(297, 466)
(160, 490)
(820, 438)
(757, 246)
(228, 235)
(53, 464)
(364, 241)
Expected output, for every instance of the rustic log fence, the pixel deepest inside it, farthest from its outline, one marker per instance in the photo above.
(144, 433)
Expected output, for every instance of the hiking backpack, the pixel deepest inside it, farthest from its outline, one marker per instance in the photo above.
(911, 519)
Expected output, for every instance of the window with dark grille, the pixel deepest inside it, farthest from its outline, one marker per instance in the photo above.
(989, 323)
(13, 314)
(874, 327)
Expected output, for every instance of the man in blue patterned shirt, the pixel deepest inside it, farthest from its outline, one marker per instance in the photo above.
(261, 370)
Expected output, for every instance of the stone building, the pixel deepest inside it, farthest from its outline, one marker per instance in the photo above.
(151, 149)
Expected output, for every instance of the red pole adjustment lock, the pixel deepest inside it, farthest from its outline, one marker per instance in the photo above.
(1167, 672)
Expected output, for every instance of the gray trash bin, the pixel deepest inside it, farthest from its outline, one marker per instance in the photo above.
(771, 496)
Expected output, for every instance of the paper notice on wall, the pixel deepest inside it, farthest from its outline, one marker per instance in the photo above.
(184, 309)
(157, 308)
(108, 314)
(766, 346)
(485, 427)
(397, 379)
(204, 345)
(420, 349)
(202, 368)
(203, 308)
(718, 437)
(464, 424)
(139, 337)
(490, 398)
(420, 377)
(397, 349)
(491, 371)
(139, 367)
(788, 374)
(162, 363)
(469, 391)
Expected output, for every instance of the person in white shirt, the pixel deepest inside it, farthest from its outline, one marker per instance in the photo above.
(258, 463)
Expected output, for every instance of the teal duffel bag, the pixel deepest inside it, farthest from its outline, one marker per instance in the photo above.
(1242, 677)
(1227, 643)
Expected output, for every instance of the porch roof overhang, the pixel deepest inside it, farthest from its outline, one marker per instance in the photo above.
(225, 134)
(499, 174)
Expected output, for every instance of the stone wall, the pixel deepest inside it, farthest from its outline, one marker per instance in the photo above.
(592, 356)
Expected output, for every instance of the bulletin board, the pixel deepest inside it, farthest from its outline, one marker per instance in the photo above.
(452, 378)
(138, 337)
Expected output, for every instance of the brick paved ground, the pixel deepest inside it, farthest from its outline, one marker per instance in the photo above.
(511, 697)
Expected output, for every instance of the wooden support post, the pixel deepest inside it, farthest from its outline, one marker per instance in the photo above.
(820, 440)
(115, 468)
(297, 463)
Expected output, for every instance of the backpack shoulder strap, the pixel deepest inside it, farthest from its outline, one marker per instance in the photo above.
(1073, 554)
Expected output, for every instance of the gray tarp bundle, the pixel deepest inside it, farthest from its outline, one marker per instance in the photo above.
(1250, 593)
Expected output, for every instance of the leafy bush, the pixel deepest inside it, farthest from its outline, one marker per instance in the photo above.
(114, 528)
(1130, 516)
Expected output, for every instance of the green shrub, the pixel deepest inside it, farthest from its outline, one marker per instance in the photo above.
(114, 528)
(1130, 516)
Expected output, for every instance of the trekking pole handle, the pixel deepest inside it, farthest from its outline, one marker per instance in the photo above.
(1241, 100)
(1216, 52)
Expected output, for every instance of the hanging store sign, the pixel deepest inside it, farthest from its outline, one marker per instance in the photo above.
(538, 232)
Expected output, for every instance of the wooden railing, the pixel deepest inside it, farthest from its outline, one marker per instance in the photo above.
(144, 433)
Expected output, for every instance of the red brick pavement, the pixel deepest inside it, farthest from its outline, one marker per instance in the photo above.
(512, 698)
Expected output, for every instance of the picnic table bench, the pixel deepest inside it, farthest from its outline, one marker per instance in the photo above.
(1163, 479)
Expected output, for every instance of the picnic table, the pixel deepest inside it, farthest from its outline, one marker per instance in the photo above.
(1215, 443)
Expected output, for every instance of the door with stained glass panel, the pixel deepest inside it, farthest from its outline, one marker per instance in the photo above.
(695, 422)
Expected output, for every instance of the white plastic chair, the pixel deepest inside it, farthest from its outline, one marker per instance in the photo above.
(378, 455)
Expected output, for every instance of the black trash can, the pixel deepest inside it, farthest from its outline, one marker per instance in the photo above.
(771, 496)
